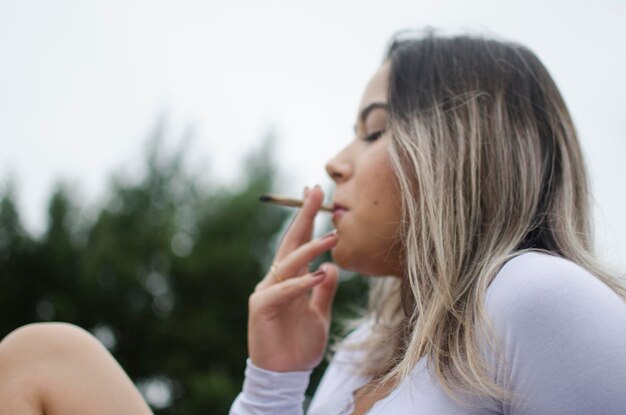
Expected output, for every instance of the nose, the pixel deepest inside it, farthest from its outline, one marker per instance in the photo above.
(339, 168)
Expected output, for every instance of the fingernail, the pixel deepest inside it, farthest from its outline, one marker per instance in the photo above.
(306, 191)
(329, 234)
(318, 186)
(319, 273)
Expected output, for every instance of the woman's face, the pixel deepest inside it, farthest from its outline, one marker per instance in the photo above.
(366, 187)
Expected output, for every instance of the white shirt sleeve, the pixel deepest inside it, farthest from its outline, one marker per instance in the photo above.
(564, 334)
(271, 393)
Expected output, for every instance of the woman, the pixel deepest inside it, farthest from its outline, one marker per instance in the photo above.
(464, 186)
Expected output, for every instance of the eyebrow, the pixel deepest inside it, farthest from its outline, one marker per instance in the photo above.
(371, 107)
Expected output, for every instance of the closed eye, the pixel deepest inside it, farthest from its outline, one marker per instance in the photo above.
(374, 136)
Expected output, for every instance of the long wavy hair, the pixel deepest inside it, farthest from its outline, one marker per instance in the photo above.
(489, 166)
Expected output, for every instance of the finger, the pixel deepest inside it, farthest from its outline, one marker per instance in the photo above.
(324, 293)
(299, 259)
(301, 228)
(278, 295)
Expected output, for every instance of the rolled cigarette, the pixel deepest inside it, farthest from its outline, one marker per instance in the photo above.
(286, 201)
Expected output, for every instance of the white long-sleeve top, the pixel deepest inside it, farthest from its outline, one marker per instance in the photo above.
(563, 333)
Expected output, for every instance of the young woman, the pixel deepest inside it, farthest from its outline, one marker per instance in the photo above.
(465, 188)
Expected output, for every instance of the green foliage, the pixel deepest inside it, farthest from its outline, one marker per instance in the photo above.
(162, 276)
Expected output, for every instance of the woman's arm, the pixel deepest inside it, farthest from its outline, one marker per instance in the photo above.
(266, 392)
(289, 319)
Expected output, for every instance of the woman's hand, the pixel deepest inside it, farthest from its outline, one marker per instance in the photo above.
(290, 309)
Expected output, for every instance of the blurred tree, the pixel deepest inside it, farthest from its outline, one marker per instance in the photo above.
(161, 277)
(17, 253)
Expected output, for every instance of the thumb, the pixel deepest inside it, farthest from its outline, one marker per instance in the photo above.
(324, 294)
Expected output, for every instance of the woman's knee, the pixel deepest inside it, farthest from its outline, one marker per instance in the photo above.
(40, 341)
(54, 367)
(32, 356)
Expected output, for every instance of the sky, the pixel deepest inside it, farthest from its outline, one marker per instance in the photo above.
(83, 83)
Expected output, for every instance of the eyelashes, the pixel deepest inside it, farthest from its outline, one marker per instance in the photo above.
(374, 136)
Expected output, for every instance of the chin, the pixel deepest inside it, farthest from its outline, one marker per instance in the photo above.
(343, 259)
(361, 263)
(351, 262)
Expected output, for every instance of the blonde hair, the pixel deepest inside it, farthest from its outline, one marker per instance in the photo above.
(489, 166)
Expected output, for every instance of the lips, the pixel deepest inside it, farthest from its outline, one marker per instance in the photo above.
(338, 211)
(337, 206)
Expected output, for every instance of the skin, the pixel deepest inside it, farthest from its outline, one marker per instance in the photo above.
(57, 368)
(365, 184)
(364, 179)
(282, 315)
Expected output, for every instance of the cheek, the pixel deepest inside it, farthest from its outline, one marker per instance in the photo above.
(369, 230)
(367, 234)
(366, 251)
(379, 201)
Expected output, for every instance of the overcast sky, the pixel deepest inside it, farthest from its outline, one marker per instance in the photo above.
(82, 83)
